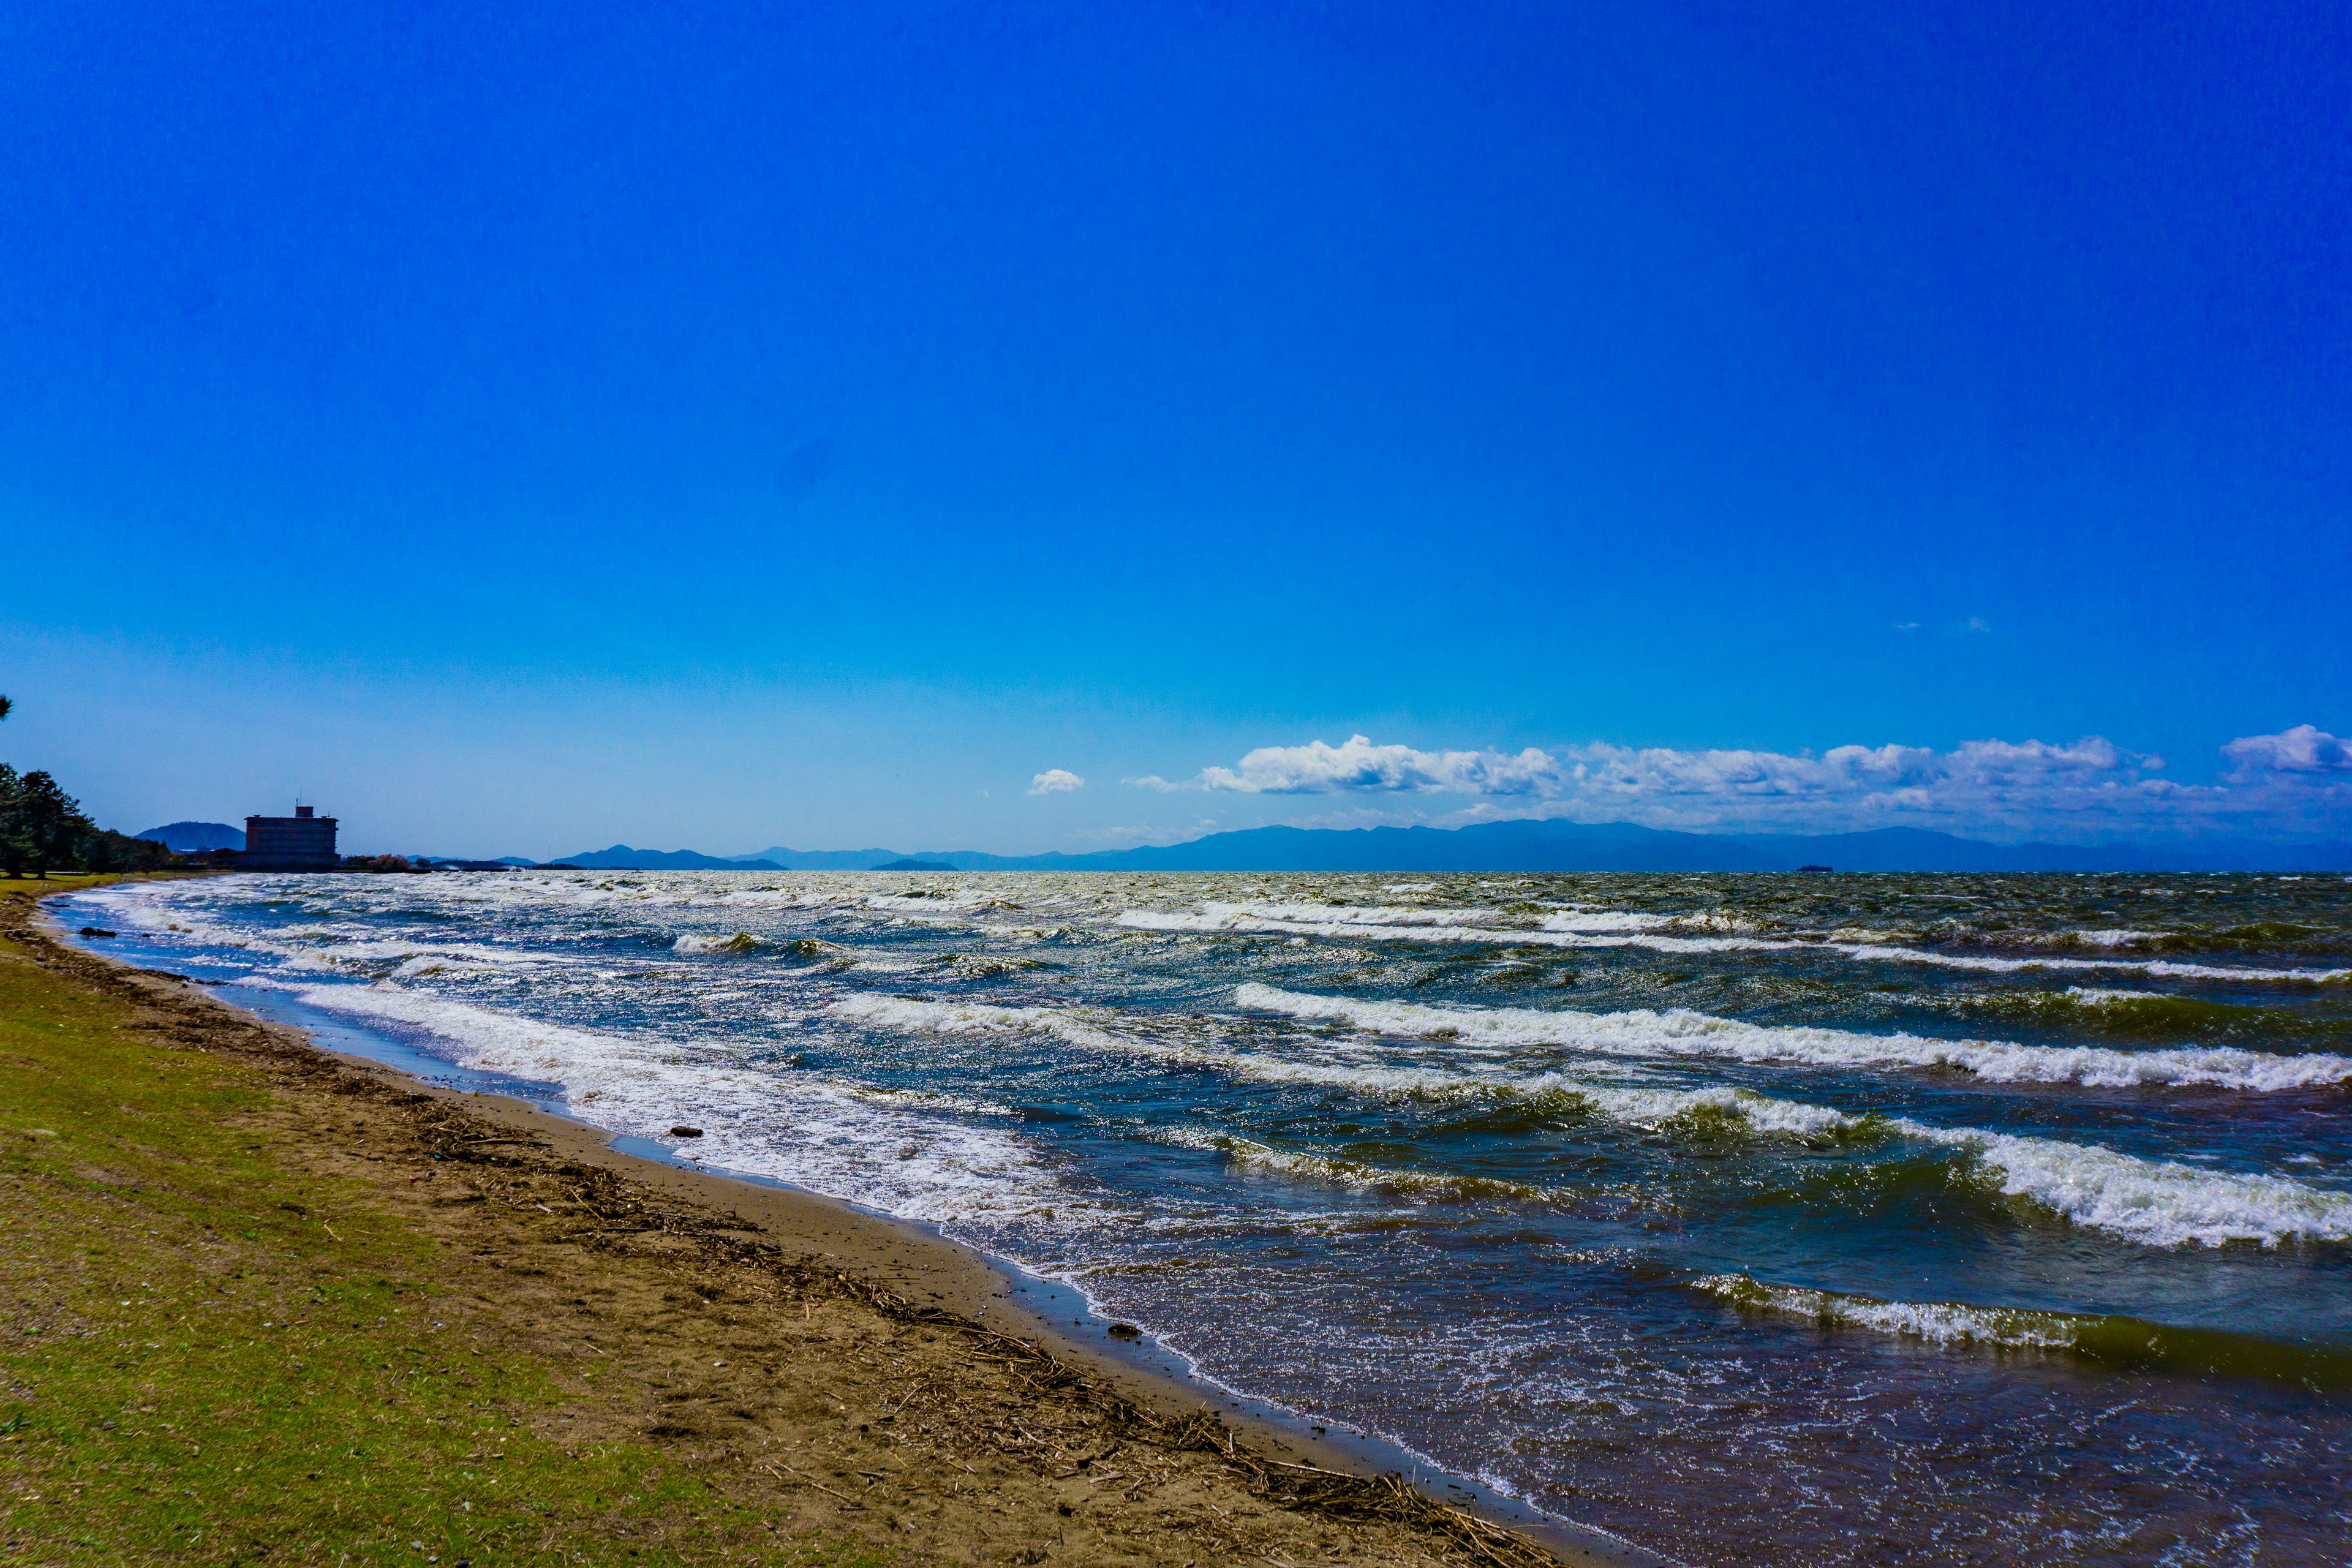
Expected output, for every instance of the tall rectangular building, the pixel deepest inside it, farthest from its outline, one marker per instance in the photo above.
(302, 842)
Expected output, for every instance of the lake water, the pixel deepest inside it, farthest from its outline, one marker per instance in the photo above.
(1759, 1219)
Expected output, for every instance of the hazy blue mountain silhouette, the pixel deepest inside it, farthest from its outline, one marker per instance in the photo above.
(849, 859)
(188, 837)
(620, 856)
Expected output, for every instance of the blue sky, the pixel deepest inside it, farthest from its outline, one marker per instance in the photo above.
(523, 431)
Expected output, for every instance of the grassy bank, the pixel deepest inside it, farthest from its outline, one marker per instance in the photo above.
(67, 881)
(212, 1356)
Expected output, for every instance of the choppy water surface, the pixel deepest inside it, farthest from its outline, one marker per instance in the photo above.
(1761, 1219)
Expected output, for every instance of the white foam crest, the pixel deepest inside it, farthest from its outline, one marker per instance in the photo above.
(424, 965)
(1682, 1033)
(1348, 914)
(156, 916)
(914, 1017)
(320, 948)
(1206, 921)
(1340, 1171)
(1606, 920)
(2158, 1203)
(360, 954)
(940, 902)
(741, 942)
(1937, 1323)
(2095, 996)
(841, 1139)
(2163, 969)
(1237, 919)
(1644, 1107)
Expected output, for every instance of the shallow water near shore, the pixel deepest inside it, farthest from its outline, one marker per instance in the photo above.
(1758, 1219)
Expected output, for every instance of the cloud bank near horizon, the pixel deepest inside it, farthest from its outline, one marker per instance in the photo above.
(2296, 781)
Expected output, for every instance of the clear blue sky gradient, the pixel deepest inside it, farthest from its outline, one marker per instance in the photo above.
(520, 429)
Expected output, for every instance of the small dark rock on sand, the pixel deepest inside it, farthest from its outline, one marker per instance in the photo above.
(685, 1132)
(1125, 1332)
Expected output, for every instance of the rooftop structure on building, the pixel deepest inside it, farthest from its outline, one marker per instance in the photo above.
(302, 842)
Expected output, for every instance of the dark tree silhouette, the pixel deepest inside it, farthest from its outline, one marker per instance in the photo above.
(12, 847)
(40, 824)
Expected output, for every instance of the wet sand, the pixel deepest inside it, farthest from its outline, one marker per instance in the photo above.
(852, 1373)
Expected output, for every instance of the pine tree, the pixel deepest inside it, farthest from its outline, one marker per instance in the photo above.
(40, 824)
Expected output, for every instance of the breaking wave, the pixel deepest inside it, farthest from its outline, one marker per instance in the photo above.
(1596, 931)
(886, 1150)
(741, 941)
(2156, 968)
(2113, 1340)
(1682, 1033)
(1337, 1170)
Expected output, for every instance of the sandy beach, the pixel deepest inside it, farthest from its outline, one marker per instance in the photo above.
(849, 1379)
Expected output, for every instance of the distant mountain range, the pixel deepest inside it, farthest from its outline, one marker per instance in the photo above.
(1537, 846)
(621, 857)
(189, 837)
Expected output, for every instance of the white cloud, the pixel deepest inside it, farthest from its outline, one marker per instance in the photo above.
(2297, 781)
(2301, 750)
(1319, 769)
(1056, 781)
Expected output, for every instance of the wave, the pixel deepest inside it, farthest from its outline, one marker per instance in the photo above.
(1937, 1322)
(1238, 919)
(2158, 1202)
(2119, 938)
(917, 1016)
(2107, 1340)
(890, 1151)
(1682, 1033)
(2271, 935)
(2152, 1202)
(2158, 968)
(741, 941)
(1597, 920)
(1348, 914)
(329, 950)
(1310, 920)
(1336, 1170)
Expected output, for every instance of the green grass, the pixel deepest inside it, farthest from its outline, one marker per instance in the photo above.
(57, 882)
(205, 1357)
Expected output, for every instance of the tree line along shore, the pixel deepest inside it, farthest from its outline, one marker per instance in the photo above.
(263, 1303)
